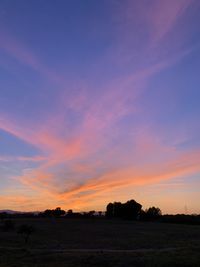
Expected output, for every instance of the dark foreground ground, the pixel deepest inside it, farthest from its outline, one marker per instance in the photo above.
(100, 242)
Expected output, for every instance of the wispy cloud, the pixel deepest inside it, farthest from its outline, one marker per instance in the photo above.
(22, 54)
(84, 151)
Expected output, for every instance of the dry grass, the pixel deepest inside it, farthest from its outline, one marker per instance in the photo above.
(53, 236)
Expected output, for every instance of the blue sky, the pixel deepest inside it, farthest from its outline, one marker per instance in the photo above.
(99, 101)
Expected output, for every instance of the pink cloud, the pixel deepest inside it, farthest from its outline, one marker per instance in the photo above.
(20, 52)
(98, 116)
(163, 16)
(89, 137)
(183, 165)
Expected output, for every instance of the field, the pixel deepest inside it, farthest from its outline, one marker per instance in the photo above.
(100, 242)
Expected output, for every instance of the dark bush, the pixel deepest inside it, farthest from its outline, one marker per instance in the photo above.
(26, 230)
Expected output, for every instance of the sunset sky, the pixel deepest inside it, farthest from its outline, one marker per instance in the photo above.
(100, 102)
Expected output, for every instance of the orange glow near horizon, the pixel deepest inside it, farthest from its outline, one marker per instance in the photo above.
(103, 107)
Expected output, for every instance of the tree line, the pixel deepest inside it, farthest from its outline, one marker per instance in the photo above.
(130, 210)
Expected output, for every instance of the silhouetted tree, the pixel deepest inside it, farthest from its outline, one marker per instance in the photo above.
(69, 212)
(132, 209)
(91, 213)
(26, 230)
(58, 212)
(110, 210)
(153, 213)
(142, 215)
(99, 213)
(129, 210)
(53, 213)
(118, 209)
(47, 213)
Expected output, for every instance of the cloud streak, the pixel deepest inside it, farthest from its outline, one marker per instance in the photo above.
(92, 143)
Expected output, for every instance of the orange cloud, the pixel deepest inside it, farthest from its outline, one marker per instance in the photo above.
(109, 170)
(181, 166)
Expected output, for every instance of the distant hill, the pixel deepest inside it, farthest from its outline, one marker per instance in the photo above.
(19, 212)
(11, 211)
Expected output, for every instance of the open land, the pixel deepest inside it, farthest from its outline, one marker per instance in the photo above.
(100, 242)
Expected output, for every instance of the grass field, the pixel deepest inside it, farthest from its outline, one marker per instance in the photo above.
(100, 242)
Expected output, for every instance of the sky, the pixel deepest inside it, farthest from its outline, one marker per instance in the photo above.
(99, 102)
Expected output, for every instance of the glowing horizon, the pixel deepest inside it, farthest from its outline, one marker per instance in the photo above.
(99, 102)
